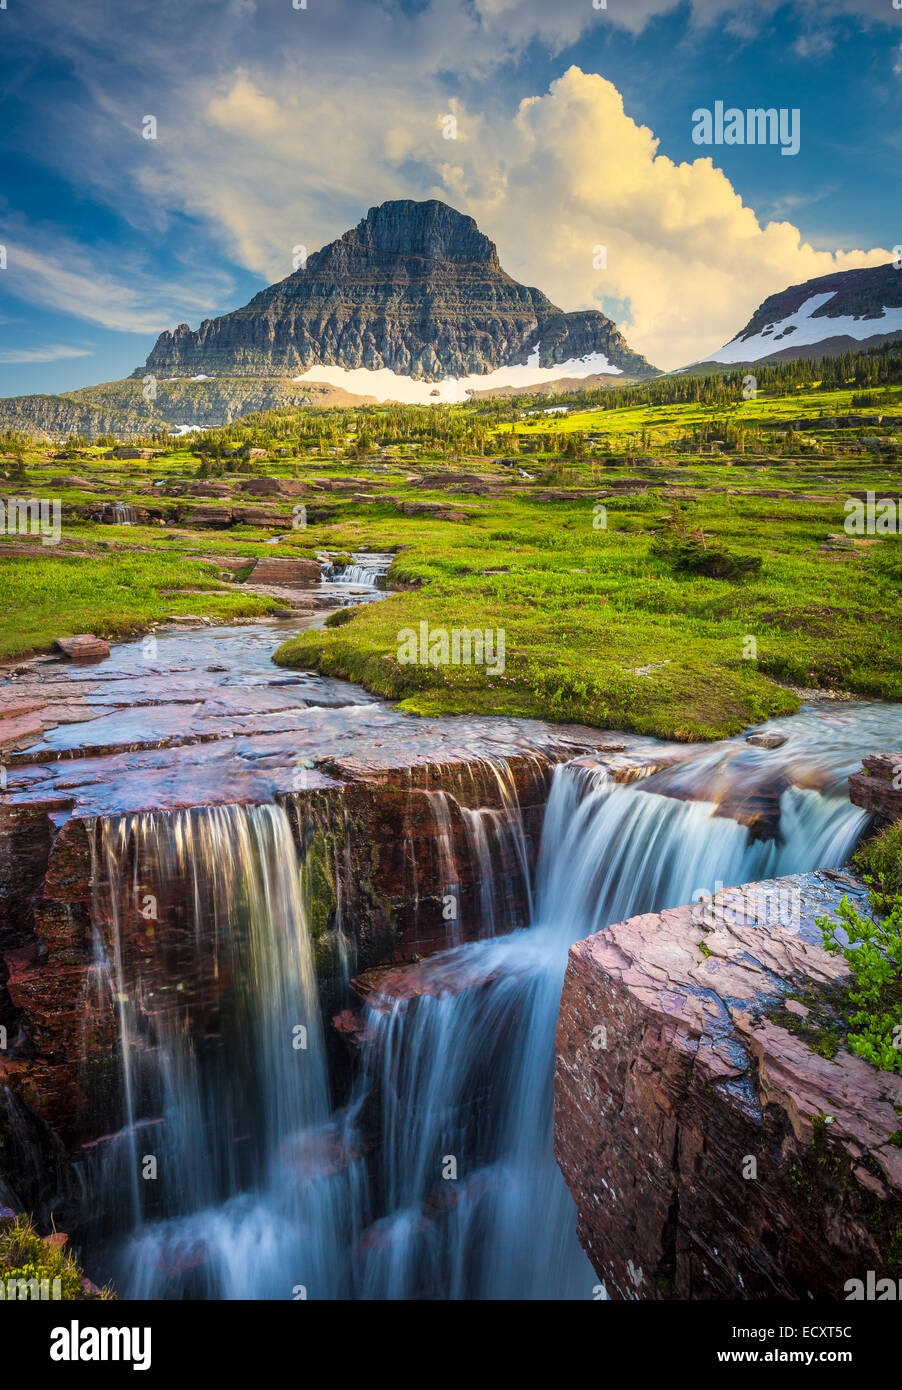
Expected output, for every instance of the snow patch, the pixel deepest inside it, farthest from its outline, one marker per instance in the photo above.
(806, 331)
(387, 385)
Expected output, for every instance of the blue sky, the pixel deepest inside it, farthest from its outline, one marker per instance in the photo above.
(279, 127)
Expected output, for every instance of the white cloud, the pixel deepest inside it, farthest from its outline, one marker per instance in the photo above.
(54, 353)
(300, 162)
(338, 107)
(46, 267)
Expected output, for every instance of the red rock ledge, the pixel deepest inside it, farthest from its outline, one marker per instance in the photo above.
(675, 1069)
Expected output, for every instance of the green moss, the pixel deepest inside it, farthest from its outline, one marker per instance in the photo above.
(24, 1255)
(823, 1027)
(340, 617)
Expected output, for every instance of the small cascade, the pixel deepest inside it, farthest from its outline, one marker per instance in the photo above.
(119, 514)
(488, 842)
(474, 1204)
(366, 570)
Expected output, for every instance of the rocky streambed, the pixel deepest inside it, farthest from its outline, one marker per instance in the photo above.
(202, 854)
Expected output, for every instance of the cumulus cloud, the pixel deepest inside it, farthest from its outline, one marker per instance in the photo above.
(690, 257)
(325, 114)
(565, 173)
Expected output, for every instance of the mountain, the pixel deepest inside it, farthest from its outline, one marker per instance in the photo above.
(414, 288)
(119, 407)
(847, 311)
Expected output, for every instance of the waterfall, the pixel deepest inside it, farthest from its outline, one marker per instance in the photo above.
(437, 1179)
(467, 1076)
(222, 1061)
(366, 570)
(495, 848)
(119, 514)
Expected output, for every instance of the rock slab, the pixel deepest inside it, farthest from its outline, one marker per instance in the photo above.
(711, 1152)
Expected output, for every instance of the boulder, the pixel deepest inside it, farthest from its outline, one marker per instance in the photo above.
(713, 1145)
(770, 739)
(274, 487)
(286, 573)
(208, 516)
(878, 788)
(84, 646)
(259, 516)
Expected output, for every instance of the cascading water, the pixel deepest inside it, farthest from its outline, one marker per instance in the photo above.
(468, 1075)
(119, 514)
(495, 846)
(223, 1071)
(366, 570)
(438, 1181)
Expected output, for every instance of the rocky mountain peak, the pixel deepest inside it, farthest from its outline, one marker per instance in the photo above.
(415, 287)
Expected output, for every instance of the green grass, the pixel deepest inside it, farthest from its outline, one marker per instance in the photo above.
(879, 860)
(116, 595)
(765, 410)
(582, 609)
(638, 625)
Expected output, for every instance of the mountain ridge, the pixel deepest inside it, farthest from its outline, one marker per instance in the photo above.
(416, 288)
(823, 317)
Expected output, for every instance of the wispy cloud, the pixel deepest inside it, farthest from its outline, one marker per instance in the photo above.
(100, 284)
(54, 353)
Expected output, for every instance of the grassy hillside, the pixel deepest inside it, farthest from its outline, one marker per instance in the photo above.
(658, 567)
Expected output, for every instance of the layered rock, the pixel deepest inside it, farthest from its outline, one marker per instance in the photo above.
(415, 288)
(711, 1149)
(287, 573)
(878, 787)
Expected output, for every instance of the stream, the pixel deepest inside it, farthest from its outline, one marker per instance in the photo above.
(431, 1175)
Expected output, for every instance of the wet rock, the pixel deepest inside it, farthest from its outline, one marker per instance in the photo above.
(877, 788)
(766, 740)
(710, 1151)
(84, 646)
(19, 732)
